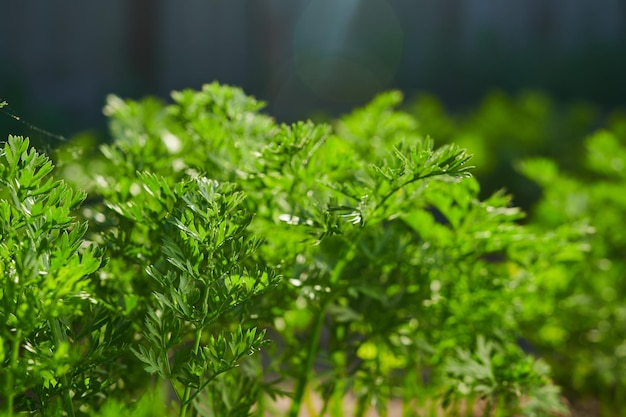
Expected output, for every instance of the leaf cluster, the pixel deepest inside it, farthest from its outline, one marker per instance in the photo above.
(362, 250)
(586, 337)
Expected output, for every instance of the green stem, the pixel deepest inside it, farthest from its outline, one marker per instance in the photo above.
(305, 377)
(401, 186)
(186, 399)
(340, 387)
(59, 338)
(469, 406)
(308, 364)
(9, 389)
(488, 407)
(361, 408)
(260, 406)
(408, 394)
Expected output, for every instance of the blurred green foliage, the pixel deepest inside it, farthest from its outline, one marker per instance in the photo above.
(565, 164)
(368, 253)
(502, 130)
(585, 334)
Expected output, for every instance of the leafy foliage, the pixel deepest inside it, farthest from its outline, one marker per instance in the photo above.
(361, 249)
(45, 270)
(502, 130)
(587, 336)
(486, 371)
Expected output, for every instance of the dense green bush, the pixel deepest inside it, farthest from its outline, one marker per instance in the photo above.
(576, 189)
(362, 249)
(502, 130)
(584, 335)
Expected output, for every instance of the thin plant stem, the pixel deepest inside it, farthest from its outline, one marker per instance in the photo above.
(336, 406)
(59, 338)
(260, 405)
(456, 407)
(186, 399)
(310, 405)
(303, 381)
(469, 406)
(340, 385)
(325, 405)
(383, 411)
(9, 389)
(620, 394)
(488, 407)
(361, 407)
(406, 394)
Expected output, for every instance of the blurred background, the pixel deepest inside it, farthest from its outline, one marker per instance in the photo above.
(305, 58)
